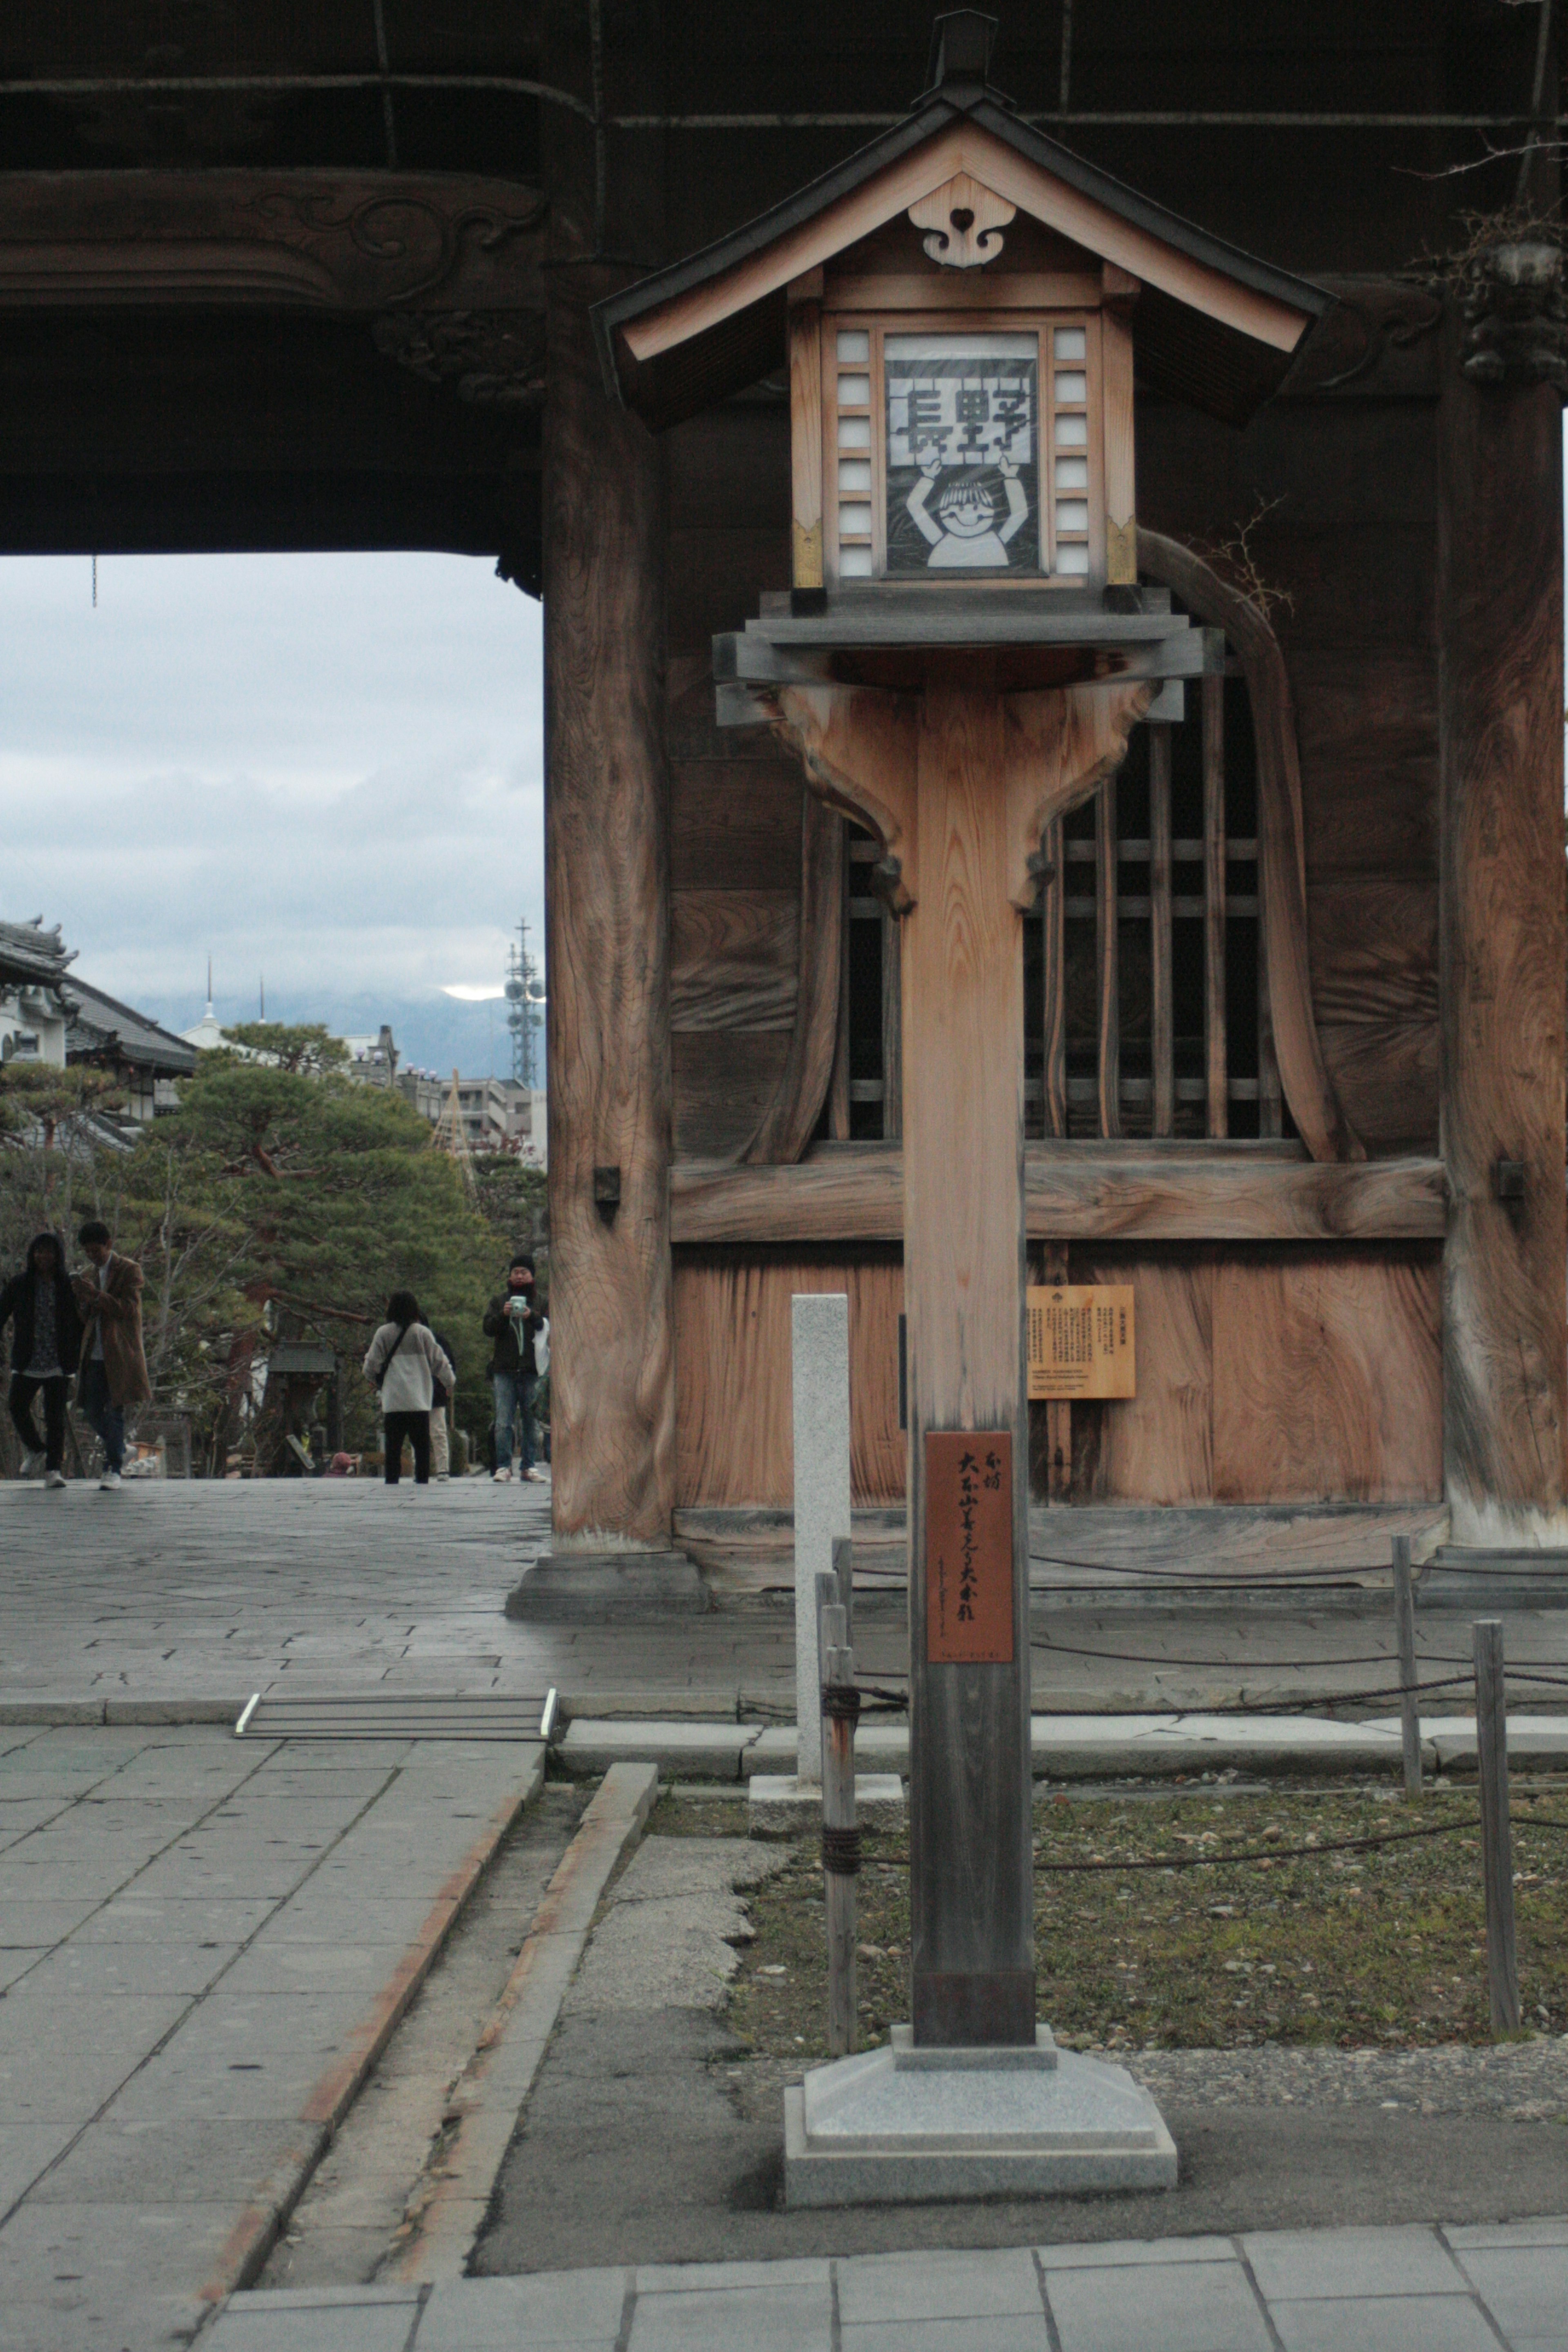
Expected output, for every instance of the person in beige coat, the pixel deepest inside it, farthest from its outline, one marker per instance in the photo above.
(114, 1372)
(405, 1360)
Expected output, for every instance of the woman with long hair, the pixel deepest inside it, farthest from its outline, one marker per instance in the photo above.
(45, 1347)
(405, 1360)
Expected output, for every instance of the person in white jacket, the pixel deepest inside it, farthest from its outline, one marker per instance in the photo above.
(404, 1360)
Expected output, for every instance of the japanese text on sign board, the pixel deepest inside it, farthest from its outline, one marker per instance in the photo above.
(962, 448)
(1081, 1342)
(969, 1547)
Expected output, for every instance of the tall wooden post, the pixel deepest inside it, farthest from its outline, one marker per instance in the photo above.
(971, 1881)
(1501, 927)
(960, 781)
(607, 857)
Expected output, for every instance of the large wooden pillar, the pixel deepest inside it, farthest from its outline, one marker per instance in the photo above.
(606, 855)
(1501, 923)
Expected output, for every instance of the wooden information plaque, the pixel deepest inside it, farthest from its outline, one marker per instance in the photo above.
(1081, 1342)
(969, 1547)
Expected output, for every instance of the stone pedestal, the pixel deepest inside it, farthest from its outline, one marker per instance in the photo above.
(779, 1805)
(908, 2122)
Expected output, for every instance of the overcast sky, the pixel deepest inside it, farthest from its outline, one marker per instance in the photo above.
(325, 769)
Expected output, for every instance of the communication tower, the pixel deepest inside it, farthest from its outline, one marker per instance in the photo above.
(524, 996)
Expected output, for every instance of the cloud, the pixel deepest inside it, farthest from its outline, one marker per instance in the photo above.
(328, 768)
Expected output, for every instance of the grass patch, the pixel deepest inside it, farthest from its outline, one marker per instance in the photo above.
(1386, 1947)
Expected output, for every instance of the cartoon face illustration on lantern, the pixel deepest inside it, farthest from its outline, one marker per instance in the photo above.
(962, 466)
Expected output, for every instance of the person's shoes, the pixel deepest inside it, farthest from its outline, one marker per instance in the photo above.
(501, 1477)
(111, 1482)
(54, 1478)
(32, 1461)
(533, 1477)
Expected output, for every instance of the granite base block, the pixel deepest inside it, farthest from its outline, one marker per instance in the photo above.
(900, 2124)
(778, 1806)
(619, 1588)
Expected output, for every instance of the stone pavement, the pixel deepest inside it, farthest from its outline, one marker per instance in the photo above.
(1412, 2289)
(190, 1594)
(202, 1944)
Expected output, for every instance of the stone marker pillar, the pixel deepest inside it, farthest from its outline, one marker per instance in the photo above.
(820, 1364)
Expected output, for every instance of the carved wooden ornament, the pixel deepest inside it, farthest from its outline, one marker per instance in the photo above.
(965, 220)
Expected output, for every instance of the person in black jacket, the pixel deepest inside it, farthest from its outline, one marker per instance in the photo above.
(514, 1323)
(46, 1348)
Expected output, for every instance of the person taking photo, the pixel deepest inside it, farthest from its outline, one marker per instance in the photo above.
(520, 1334)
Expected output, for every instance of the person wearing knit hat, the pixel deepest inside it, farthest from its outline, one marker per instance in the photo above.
(514, 1323)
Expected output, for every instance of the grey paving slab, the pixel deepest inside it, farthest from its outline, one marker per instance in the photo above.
(885, 2287)
(26, 2149)
(1179, 2307)
(1388, 2322)
(998, 2332)
(269, 2089)
(60, 2085)
(792, 2318)
(251, 2326)
(138, 1917)
(1304, 2262)
(1542, 2230)
(1524, 2287)
(1114, 2253)
(34, 1921)
(113, 2257)
(582, 2307)
(172, 2161)
(681, 2278)
(281, 1968)
(321, 1914)
(76, 1970)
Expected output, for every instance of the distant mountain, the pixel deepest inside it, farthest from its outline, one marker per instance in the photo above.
(433, 1031)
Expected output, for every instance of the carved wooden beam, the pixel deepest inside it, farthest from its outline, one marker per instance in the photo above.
(1282, 863)
(1078, 1191)
(443, 268)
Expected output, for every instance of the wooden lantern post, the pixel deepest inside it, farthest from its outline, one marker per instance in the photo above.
(961, 657)
(960, 781)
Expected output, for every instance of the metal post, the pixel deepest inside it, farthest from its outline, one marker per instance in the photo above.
(840, 1835)
(1497, 1842)
(1405, 1623)
(844, 1570)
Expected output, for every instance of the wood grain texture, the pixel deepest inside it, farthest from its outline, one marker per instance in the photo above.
(724, 1081)
(893, 1028)
(1386, 1075)
(970, 1919)
(733, 958)
(732, 1353)
(805, 442)
(855, 1193)
(1281, 858)
(735, 824)
(1156, 1446)
(1328, 1377)
(606, 853)
(1117, 445)
(789, 1118)
(1216, 1052)
(1054, 977)
(1500, 590)
(1161, 1028)
(1108, 961)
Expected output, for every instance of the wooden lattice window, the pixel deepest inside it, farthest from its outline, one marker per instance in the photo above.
(1146, 998)
(1145, 989)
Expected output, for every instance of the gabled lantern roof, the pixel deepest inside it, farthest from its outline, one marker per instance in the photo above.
(1214, 327)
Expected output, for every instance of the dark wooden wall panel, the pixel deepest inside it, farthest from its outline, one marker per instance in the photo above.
(735, 796)
(1158, 1446)
(732, 1325)
(1350, 540)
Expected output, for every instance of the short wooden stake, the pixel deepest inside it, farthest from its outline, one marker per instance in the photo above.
(840, 1835)
(1497, 1842)
(1404, 1625)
